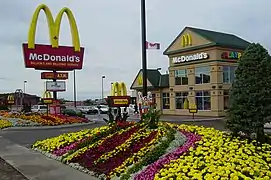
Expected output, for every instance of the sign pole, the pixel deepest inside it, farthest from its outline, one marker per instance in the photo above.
(47, 109)
(144, 55)
(54, 80)
(74, 88)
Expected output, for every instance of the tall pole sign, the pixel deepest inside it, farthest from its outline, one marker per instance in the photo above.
(144, 54)
(53, 57)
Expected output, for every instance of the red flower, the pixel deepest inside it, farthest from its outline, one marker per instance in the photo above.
(108, 145)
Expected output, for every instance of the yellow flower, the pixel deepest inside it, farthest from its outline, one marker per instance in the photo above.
(5, 124)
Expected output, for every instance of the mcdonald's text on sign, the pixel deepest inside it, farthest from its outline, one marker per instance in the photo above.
(197, 56)
(53, 57)
(47, 100)
(51, 75)
(119, 101)
(193, 110)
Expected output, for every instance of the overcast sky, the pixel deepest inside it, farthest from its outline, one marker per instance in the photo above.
(110, 32)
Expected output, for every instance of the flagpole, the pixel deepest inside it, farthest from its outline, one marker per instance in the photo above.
(144, 54)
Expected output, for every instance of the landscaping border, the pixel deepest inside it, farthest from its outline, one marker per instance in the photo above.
(50, 127)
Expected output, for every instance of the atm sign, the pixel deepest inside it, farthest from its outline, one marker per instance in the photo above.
(51, 75)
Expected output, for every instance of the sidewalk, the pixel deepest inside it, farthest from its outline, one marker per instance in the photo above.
(36, 166)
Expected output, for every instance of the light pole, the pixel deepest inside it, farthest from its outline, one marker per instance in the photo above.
(25, 85)
(103, 87)
(144, 54)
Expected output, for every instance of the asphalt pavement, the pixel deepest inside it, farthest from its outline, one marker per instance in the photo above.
(26, 137)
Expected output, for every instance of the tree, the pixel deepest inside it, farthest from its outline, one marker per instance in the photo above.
(62, 101)
(250, 95)
(88, 102)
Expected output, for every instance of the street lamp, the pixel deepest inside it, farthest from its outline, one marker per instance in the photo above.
(144, 54)
(103, 87)
(25, 85)
(158, 69)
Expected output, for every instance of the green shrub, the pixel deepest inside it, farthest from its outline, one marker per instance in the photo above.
(3, 107)
(250, 94)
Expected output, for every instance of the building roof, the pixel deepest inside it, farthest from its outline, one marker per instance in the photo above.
(164, 81)
(153, 75)
(221, 38)
(25, 94)
(157, 79)
(217, 38)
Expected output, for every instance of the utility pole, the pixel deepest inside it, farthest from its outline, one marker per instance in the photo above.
(144, 54)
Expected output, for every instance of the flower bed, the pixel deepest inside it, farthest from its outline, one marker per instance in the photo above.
(40, 120)
(4, 124)
(17, 122)
(133, 151)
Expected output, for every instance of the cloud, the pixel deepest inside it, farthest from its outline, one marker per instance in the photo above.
(111, 34)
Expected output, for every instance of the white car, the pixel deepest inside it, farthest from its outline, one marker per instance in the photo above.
(84, 109)
(102, 108)
(39, 108)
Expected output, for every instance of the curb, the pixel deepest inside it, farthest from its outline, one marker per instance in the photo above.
(192, 120)
(49, 127)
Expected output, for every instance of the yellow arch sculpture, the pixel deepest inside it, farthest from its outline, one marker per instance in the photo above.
(54, 27)
(118, 89)
(47, 95)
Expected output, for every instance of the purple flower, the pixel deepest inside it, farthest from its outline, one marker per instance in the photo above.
(149, 172)
(64, 150)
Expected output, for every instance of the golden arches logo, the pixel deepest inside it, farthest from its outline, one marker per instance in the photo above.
(118, 89)
(47, 95)
(54, 27)
(10, 99)
(186, 40)
(140, 79)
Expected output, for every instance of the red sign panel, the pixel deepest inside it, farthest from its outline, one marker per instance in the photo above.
(54, 108)
(44, 57)
(51, 75)
(118, 101)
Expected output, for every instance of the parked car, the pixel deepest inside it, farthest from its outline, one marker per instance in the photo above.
(39, 108)
(73, 112)
(102, 108)
(84, 109)
(92, 110)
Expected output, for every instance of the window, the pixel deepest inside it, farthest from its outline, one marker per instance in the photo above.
(226, 100)
(165, 100)
(180, 98)
(181, 77)
(203, 100)
(202, 75)
(229, 74)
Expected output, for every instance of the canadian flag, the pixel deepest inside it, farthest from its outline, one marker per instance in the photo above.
(152, 45)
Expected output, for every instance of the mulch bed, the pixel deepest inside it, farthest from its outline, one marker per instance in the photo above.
(7, 172)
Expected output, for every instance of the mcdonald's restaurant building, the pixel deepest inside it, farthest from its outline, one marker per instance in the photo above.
(27, 99)
(202, 66)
